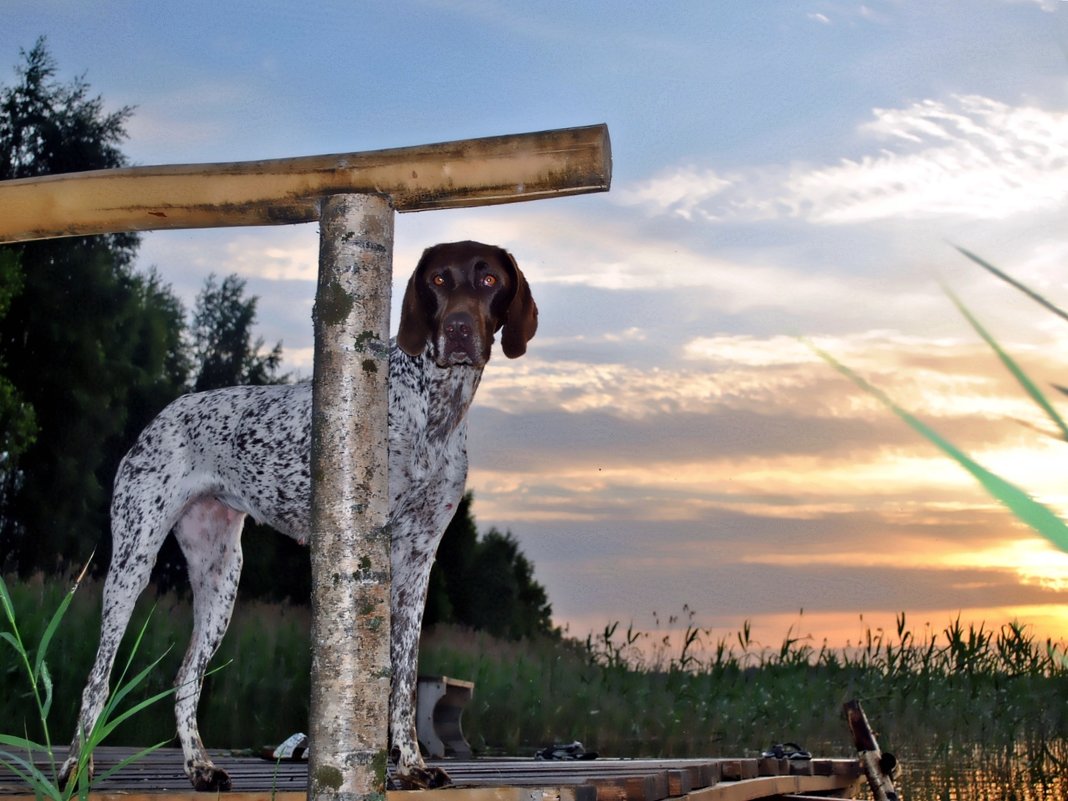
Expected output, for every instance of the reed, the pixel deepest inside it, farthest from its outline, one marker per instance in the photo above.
(621, 692)
(18, 753)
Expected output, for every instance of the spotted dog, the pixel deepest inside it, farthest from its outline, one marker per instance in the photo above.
(211, 459)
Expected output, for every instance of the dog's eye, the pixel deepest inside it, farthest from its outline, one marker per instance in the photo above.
(489, 279)
(438, 279)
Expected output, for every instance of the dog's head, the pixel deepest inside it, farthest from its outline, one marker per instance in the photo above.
(459, 296)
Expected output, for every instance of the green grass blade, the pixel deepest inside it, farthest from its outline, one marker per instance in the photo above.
(46, 680)
(8, 637)
(1017, 372)
(22, 743)
(5, 602)
(107, 724)
(1026, 509)
(50, 631)
(990, 268)
(30, 775)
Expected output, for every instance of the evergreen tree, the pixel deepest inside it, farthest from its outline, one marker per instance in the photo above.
(506, 601)
(448, 596)
(486, 583)
(87, 343)
(224, 353)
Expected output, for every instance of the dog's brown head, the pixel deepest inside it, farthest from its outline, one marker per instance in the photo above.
(459, 296)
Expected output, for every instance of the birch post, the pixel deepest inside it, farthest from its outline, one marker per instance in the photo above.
(350, 674)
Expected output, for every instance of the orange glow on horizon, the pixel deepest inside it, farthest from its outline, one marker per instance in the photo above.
(837, 630)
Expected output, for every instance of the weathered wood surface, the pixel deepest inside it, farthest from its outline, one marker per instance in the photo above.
(160, 778)
(350, 670)
(877, 766)
(469, 172)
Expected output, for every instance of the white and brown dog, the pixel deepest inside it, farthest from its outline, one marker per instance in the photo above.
(209, 459)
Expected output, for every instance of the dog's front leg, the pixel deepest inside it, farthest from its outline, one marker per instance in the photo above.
(411, 575)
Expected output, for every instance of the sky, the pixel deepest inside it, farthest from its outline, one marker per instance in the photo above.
(782, 169)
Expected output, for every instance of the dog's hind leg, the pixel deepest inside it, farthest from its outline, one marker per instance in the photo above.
(209, 532)
(137, 534)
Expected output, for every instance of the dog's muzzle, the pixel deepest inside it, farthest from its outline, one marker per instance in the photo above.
(460, 341)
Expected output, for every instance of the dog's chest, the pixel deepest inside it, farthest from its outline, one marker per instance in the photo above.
(427, 420)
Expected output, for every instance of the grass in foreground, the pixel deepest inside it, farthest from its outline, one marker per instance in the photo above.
(17, 752)
(621, 692)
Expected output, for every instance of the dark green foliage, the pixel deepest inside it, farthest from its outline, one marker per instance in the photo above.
(88, 347)
(93, 348)
(224, 354)
(18, 425)
(485, 583)
(961, 699)
(47, 127)
(449, 595)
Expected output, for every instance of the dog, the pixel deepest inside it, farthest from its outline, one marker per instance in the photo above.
(211, 459)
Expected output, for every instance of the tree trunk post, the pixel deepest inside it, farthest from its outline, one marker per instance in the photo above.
(350, 674)
(877, 765)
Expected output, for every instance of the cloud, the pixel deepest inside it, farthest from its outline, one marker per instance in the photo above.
(291, 254)
(1049, 6)
(684, 191)
(968, 157)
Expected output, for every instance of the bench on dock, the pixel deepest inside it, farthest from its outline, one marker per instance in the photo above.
(439, 707)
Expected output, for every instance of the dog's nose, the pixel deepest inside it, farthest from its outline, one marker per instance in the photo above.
(459, 327)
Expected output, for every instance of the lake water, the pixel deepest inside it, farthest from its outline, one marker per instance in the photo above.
(1023, 773)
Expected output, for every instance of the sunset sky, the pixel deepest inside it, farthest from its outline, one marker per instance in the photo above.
(782, 169)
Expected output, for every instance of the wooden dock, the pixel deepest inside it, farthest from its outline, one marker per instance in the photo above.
(159, 777)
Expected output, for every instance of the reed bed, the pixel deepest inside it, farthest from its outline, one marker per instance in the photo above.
(933, 696)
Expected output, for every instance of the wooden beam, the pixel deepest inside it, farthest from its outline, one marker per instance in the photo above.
(879, 767)
(470, 172)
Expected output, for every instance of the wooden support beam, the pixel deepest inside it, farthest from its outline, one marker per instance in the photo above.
(878, 767)
(350, 674)
(470, 172)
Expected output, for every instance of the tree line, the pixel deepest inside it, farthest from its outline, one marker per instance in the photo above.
(92, 348)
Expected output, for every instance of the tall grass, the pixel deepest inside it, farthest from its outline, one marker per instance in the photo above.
(621, 692)
(966, 684)
(935, 695)
(18, 752)
(260, 697)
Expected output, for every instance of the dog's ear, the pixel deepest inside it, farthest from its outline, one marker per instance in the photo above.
(414, 329)
(521, 320)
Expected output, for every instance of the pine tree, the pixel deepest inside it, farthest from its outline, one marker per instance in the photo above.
(87, 344)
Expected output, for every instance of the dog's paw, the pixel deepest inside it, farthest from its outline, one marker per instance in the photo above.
(206, 778)
(68, 774)
(421, 778)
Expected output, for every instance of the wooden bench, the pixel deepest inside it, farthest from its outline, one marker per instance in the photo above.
(440, 705)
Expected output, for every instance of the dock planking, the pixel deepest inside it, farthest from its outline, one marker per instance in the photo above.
(159, 777)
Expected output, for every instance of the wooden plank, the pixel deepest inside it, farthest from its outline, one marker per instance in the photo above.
(469, 172)
(511, 779)
(650, 787)
(768, 786)
(447, 794)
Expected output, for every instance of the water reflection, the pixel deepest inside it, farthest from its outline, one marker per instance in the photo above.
(1023, 771)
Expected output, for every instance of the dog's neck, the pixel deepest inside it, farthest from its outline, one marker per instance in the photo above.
(455, 389)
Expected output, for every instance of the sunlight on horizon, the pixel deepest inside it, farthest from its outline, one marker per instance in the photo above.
(770, 633)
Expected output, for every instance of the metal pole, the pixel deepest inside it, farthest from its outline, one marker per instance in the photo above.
(350, 673)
